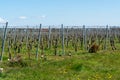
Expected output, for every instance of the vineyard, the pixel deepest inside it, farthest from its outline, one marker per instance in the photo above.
(90, 48)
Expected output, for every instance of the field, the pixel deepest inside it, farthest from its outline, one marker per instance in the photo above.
(60, 53)
(83, 66)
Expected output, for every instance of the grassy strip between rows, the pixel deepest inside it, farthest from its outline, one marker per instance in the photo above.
(83, 66)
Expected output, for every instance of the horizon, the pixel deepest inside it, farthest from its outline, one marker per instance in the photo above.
(67, 12)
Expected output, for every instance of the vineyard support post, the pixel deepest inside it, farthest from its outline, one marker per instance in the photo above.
(62, 39)
(39, 36)
(49, 35)
(106, 38)
(27, 34)
(3, 41)
(84, 38)
(67, 37)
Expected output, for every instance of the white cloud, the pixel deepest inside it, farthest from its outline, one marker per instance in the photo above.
(22, 17)
(2, 20)
(43, 16)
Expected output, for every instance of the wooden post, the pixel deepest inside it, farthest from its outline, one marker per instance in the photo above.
(106, 37)
(49, 37)
(3, 41)
(39, 36)
(84, 38)
(67, 37)
(15, 42)
(76, 39)
(27, 37)
(9, 55)
(62, 39)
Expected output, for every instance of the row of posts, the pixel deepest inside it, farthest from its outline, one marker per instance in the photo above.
(62, 34)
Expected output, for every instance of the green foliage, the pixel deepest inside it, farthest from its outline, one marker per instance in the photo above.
(77, 67)
(100, 66)
(18, 64)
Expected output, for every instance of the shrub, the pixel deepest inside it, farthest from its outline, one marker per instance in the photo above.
(17, 61)
(94, 48)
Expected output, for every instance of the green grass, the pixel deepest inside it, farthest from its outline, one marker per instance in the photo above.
(81, 66)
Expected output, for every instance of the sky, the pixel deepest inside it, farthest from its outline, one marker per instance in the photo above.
(56, 12)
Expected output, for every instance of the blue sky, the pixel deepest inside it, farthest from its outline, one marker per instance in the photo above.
(55, 12)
